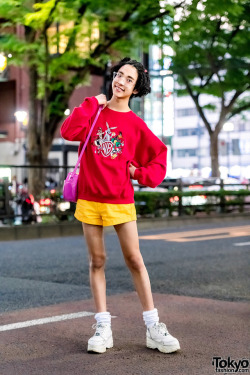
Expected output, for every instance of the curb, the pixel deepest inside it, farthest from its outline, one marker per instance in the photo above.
(35, 231)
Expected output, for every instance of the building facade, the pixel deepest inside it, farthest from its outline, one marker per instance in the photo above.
(191, 143)
(174, 120)
(14, 101)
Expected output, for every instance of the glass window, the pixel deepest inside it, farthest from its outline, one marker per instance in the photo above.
(245, 146)
(236, 146)
(183, 112)
(190, 132)
(187, 152)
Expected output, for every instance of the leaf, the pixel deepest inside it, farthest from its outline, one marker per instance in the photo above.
(210, 107)
(42, 12)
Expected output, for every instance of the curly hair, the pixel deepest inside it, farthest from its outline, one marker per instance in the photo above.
(143, 81)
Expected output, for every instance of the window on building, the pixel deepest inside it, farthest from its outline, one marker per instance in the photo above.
(236, 147)
(8, 101)
(223, 147)
(3, 134)
(182, 132)
(245, 146)
(183, 112)
(240, 127)
(187, 152)
(190, 132)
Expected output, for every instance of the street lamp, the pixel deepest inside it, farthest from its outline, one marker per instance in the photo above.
(22, 123)
(228, 127)
(3, 67)
(3, 62)
(22, 117)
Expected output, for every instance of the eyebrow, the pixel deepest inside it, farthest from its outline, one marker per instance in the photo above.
(127, 76)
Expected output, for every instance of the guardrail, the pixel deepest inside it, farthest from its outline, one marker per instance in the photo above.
(172, 197)
(179, 203)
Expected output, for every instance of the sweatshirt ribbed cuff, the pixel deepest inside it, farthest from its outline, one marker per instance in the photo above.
(137, 174)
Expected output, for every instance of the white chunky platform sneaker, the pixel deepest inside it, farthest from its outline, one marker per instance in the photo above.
(102, 339)
(158, 337)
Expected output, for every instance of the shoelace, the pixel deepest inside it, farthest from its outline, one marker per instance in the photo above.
(100, 328)
(162, 329)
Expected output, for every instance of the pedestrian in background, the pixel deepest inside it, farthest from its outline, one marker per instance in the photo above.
(121, 147)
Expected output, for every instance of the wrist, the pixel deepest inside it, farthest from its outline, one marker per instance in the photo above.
(96, 98)
(136, 174)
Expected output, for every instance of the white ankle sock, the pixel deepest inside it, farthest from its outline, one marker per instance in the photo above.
(150, 317)
(103, 317)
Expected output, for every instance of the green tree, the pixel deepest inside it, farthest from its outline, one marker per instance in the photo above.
(211, 44)
(63, 42)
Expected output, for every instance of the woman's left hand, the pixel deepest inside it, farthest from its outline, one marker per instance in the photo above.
(132, 169)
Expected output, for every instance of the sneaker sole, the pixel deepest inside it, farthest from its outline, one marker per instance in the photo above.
(101, 348)
(162, 348)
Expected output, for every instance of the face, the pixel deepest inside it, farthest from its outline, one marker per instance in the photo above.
(124, 82)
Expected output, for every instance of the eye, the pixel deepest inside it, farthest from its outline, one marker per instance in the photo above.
(119, 75)
(129, 80)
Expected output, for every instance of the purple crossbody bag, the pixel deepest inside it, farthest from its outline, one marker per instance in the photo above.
(70, 184)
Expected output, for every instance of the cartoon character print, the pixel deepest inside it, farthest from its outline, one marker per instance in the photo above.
(108, 143)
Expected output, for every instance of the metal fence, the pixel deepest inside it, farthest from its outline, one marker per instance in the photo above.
(181, 197)
(54, 173)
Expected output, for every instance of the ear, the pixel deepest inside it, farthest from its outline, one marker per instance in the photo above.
(135, 92)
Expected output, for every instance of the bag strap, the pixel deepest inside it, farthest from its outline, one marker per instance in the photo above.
(85, 143)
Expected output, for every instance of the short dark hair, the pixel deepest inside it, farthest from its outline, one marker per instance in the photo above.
(143, 81)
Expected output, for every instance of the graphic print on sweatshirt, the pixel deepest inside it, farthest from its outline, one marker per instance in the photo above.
(108, 143)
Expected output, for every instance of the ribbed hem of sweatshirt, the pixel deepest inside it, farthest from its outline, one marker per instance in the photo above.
(112, 200)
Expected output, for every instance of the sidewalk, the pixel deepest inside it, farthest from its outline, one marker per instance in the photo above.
(64, 229)
(204, 327)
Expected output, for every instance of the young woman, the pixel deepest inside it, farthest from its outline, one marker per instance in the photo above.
(121, 147)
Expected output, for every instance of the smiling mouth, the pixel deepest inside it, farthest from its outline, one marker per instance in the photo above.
(119, 88)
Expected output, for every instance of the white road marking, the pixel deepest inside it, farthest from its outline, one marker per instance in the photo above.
(52, 319)
(201, 234)
(242, 244)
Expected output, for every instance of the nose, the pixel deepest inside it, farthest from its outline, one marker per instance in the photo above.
(121, 79)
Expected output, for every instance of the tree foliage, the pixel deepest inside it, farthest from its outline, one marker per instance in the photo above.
(211, 47)
(63, 42)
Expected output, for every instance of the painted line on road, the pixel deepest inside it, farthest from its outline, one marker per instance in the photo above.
(242, 244)
(52, 319)
(201, 234)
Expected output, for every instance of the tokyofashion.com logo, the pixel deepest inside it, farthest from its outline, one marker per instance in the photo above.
(229, 365)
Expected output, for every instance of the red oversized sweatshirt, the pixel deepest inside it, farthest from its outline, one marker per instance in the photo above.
(118, 139)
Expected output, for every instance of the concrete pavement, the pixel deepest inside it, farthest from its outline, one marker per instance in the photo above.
(206, 328)
(64, 229)
(214, 334)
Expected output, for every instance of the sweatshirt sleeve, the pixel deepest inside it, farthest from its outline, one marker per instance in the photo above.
(75, 126)
(151, 158)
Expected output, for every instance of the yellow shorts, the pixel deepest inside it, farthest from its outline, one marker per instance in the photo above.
(104, 214)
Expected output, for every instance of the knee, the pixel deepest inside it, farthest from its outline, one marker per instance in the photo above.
(135, 263)
(97, 262)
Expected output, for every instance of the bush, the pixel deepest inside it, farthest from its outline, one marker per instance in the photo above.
(149, 203)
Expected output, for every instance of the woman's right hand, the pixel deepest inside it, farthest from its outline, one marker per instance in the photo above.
(102, 100)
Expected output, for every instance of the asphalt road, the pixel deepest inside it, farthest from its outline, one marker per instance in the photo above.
(50, 271)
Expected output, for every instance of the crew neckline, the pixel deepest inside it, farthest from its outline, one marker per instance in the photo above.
(118, 111)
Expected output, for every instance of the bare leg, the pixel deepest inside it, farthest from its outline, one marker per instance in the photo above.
(97, 257)
(128, 237)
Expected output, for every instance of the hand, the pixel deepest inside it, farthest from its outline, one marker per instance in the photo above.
(132, 169)
(102, 100)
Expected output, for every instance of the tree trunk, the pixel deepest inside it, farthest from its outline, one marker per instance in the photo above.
(38, 158)
(214, 154)
(37, 147)
(33, 153)
(36, 178)
(40, 135)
